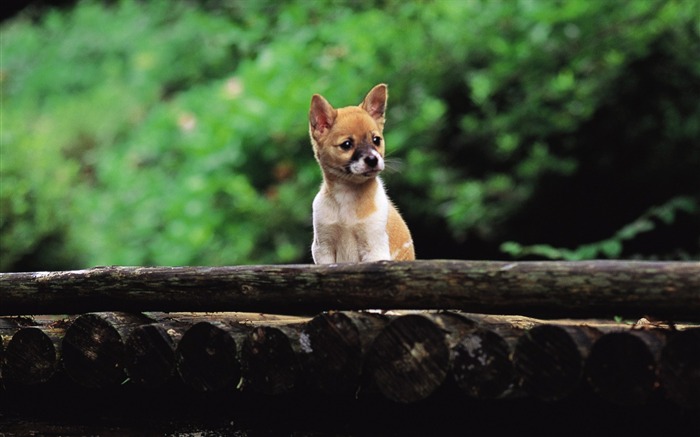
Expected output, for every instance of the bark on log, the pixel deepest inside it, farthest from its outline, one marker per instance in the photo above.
(33, 355)
(93, 348)
(622, 366)
(333, 347)
(668, 290)
(549, 359)
(680, 368)
(269, 360)
(207, 355)
(410, 359)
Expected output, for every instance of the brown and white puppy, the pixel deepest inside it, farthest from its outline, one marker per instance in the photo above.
(354, 220)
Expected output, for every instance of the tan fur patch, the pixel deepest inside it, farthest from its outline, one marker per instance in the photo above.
(366, 205)
(400, 241)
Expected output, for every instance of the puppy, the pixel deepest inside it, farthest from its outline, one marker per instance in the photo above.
(354, 220)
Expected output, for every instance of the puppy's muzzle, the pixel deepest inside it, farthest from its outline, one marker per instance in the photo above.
(366, 161)
(371, 161)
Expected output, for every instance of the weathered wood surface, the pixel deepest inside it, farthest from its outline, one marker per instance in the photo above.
(669, 290)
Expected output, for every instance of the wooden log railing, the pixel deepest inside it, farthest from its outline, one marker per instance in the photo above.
(668, 290)
(439, 329)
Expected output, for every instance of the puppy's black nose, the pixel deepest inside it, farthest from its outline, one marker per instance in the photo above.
(371, 161)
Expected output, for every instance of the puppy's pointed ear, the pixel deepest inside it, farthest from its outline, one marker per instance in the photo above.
(321, 116)
(375, 102)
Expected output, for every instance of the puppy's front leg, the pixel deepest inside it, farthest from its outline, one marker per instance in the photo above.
(376, 248)
(322, 253)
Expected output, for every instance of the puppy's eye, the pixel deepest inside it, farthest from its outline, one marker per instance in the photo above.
(377, 140)
(346, 145)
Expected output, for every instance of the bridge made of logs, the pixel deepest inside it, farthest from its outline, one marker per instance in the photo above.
(437, 327)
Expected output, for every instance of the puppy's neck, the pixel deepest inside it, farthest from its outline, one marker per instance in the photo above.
(335, 183)
(358, 198)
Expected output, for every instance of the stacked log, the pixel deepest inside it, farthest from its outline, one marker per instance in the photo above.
(410, 359)
(623, 365)
(482, 364)
(150, 352)
(93, 348)
(549, 359)
(402, 357)
(207, 356)
(32, 355)
(270, 360)
(333, 347)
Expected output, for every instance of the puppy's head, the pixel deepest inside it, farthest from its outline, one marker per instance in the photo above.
(348, 142)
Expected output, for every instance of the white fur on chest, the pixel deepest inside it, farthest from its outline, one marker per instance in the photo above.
(340, 235)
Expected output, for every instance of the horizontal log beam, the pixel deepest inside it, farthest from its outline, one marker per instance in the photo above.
(668, 290)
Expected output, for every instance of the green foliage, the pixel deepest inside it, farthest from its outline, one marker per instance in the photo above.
(539, 77)
(610, 247)
(73, 87)
(164, 133)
